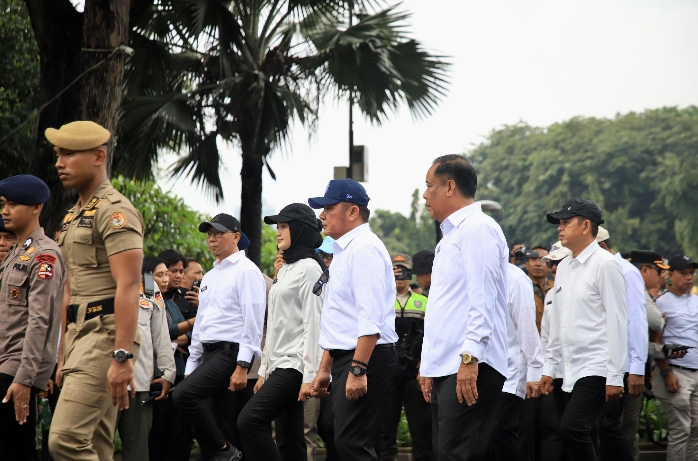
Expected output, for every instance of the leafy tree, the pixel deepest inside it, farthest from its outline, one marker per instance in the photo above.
(242, 72)
(402, 234)
(19, 82)
(639, 167)
(169, 223)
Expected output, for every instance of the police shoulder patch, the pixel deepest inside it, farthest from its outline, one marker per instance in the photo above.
(117, 220)
(45, 271)
(46, 258)
(144, 303)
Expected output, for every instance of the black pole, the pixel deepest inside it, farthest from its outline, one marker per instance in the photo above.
(351, 103)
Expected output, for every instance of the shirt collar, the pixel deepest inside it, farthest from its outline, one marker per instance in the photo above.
(343, 241)
(232, 259)
(96, 195)
(457, 217)
(587, 252)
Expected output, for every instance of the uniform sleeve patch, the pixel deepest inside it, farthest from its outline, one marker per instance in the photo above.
(46, 258)
(144, 303)
(418, 304)
(45, 271)
(117, 220)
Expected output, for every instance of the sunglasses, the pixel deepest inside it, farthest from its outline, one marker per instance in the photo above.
(321, 282)
(326, 255)
(552, 264)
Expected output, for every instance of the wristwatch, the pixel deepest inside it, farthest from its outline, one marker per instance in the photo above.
(244, 364)
(666, 372)
(467, 359)
(122, 355)
(357, 370)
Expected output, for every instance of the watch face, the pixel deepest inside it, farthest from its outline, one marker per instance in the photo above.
(357, 370)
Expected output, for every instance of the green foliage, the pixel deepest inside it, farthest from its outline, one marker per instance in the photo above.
(169, 223)
(653, 419)
(19, 83)
(402, 234)
(639, 167)
(404, 439)
(268, 249)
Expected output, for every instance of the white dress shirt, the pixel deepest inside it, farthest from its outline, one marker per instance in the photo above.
(232, 300)
(360, 295)
(293, 321)
(681, 313)
(467, 301)
(638, 337)
(525, 354)
(589, 326)
(545, 326)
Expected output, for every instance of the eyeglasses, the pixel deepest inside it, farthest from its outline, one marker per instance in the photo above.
(326, 255)
(321, 282)
(215, 234)
(551, 264)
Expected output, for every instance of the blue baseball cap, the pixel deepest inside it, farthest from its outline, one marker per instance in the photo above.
(341, 190)
(327, 246)
(244, 242)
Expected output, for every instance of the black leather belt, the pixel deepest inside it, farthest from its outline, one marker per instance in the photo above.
(337, 353)
(94, 309)
(692, 370)
(210, 347)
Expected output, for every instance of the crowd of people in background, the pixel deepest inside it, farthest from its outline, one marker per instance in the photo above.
(493, 353)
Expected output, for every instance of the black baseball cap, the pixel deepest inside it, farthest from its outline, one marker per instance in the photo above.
(577, 207)
(680, 262)
(341, 190)
(221, 222)
(295, 212)
(649, 257)
(422, 262)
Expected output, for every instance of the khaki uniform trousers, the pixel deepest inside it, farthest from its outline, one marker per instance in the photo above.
(84, 421)
(682, 413)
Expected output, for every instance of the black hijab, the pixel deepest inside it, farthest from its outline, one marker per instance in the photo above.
(304, 240)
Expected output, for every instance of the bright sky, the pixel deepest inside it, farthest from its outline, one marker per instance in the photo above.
(540, 61)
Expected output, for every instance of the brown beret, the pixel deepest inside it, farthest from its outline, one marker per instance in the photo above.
(76, 136)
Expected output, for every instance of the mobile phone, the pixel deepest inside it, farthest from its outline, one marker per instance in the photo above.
(670, 349)
(197, 284)
(405, 274)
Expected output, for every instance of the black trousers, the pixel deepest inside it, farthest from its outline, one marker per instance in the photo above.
(503, 445)
(539, 438)
(325, 427)
(357, 423)
(276, 400)
(463, 432)
(613, 446)
(418, 412)
(170, 435)
(17, 442)
(241, 398)
(584, 406)
(205, 401)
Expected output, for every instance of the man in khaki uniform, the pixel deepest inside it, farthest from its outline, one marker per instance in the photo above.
(102, 243)
(32, 282)
(7, 239)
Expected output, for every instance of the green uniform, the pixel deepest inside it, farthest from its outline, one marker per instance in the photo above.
(83, 424)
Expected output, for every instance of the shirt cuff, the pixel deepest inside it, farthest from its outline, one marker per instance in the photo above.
(473, 348)
(533, 375)
(245, 353)
(308, 377)
(615, 379)
(191, 366)
(637, 369)
(170, 376)
(368, 328)
(23, 376)
(549, 370)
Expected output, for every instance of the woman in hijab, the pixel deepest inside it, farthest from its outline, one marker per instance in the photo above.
(291, 355)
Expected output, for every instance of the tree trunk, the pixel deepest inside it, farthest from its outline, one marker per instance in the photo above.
(61, 33)
(251, 199)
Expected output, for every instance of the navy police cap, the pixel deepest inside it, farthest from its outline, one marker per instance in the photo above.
(244, 242)
(25, 189)
(341, 190)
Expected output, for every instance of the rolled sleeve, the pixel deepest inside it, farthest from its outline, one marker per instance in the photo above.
(369, 286)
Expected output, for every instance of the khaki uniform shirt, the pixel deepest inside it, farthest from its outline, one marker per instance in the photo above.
(108, 224)
(155, 345)
(32, 283)
(540, 301)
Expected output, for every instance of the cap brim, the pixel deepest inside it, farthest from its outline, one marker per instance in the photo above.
(554, 218)
(204, 226)
(277, 218)
(321, 202)
(663, 267)
(419, 270)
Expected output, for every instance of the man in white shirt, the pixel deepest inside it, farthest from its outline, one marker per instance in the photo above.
(357, 326)
(525, 361)
(613, 444)
(226, 337)
(464, 354)
(676, 384)
(588, 327)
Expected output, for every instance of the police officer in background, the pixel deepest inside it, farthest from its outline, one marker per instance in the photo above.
(7, 239)
(357, 327)
(32, 283)
(102, 243)
(422, 262)
(409, 326)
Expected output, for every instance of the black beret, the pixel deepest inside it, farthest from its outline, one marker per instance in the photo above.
(25, 189)
(422, 262)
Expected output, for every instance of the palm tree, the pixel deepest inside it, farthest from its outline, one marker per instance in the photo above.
(243, 71)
